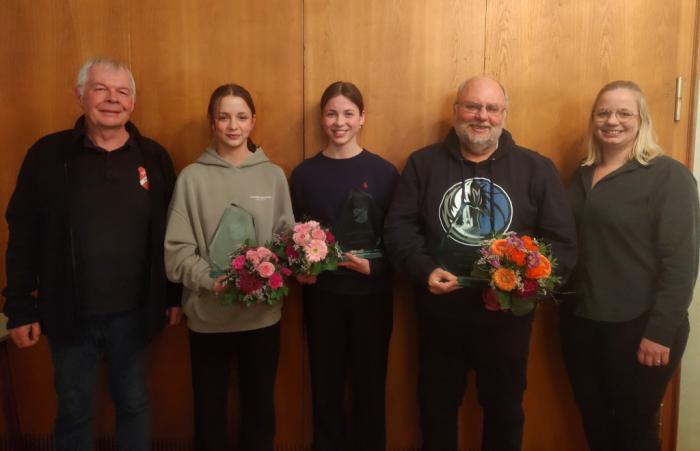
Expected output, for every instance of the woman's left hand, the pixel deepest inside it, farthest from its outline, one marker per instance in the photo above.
(652, 354)
(355, 263)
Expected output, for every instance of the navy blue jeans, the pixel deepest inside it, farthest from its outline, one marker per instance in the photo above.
(118, 338)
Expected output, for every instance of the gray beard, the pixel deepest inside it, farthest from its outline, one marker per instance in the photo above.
(479, 146)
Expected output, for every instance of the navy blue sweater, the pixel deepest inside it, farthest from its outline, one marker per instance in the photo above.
(320, 187)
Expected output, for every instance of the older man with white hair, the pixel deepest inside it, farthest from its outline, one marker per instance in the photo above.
(451, 197)
(85, 256)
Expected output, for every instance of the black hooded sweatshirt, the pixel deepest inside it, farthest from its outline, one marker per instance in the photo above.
(515, 189)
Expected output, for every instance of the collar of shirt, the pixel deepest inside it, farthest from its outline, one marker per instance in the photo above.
(89, 145)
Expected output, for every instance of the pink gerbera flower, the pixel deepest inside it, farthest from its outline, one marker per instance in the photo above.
(316, 251)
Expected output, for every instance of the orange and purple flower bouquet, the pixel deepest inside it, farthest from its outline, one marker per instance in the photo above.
(256, 275)
(308, 249)
(519, 271)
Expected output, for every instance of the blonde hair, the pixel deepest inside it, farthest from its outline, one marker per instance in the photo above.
(645, 147)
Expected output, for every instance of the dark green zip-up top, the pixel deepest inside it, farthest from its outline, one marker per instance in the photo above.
(638, 244)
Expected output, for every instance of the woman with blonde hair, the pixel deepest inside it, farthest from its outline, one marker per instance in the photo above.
(637, 218)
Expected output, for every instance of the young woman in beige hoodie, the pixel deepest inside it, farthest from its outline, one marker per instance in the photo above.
(230, 171)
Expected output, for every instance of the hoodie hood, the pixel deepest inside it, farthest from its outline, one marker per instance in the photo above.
(210, 158)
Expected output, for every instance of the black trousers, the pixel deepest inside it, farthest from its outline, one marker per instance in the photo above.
(348, 333)
(618, 398)
(257, 353)
(456, 334)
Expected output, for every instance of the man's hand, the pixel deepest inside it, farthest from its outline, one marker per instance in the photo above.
(441, 282)
(173, 316)
(355, 263)
(652, 354)
(26, 335)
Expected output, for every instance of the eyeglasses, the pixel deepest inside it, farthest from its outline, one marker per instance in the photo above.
(474, 108)
(621, 115)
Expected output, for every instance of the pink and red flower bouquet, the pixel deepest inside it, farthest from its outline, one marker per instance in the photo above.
(308, 249)
(256, 275)
(519, 271)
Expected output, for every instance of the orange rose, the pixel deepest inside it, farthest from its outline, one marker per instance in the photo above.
(529, 243)
(516, 256)
(544, 269)
(500, 247)
(504, 279)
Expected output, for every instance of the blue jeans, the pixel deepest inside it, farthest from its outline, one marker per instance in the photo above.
(120, 338)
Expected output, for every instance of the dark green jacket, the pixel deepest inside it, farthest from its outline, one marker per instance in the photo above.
(638, 244)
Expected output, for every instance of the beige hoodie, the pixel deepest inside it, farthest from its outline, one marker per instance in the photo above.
(202, 193)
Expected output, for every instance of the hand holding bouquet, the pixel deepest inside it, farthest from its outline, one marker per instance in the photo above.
(519, 271)
(255, 275)
(308, 249)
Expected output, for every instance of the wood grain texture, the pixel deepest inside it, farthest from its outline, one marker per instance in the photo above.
(181, 53)
(554, 56)
(406, 56)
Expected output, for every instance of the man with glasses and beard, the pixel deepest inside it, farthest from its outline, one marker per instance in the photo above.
(452, 196)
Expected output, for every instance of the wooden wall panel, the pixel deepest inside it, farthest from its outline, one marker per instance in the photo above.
(182, 52)
(553, 56)
(179, 55)
(407, 57)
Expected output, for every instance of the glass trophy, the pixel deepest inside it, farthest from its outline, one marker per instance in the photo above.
(458, 259)
(357, 225)
(235, 228)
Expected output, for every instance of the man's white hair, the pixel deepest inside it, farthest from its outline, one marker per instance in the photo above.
(110, 62)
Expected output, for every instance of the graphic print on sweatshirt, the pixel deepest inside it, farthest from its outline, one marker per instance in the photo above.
(466, 209)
